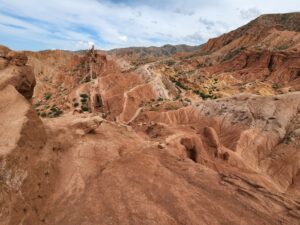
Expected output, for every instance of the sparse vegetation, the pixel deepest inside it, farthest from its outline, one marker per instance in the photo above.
(50, 112)
(170, 62)
(232, 54)
(180, 85)
(204, 96)
(55, 111)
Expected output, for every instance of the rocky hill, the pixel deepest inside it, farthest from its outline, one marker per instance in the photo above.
(261, 57)
(142, 136)
(147, 54)
(255, 34)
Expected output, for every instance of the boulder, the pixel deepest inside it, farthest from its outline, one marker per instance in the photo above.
(4, 51)
(21, 77)
(3, 63)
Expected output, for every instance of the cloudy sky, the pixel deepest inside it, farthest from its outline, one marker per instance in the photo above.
(77, 24)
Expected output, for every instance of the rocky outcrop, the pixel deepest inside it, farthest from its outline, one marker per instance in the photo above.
(13, 71)
(247, 131)
(192, 165)
(22, 137)
(23, 183)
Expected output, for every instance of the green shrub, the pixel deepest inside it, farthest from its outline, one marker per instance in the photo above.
(47, 96)
(85, 108)
(55, 112)
(180, 85)
(85, 96)
(83, 100)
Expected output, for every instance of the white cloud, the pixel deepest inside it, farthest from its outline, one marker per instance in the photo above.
(249, 13)
(74, 24)
(123, 38)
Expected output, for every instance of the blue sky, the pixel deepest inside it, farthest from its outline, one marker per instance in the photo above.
(78, 24)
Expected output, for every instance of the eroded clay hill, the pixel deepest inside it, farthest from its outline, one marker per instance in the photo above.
(93, 138)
